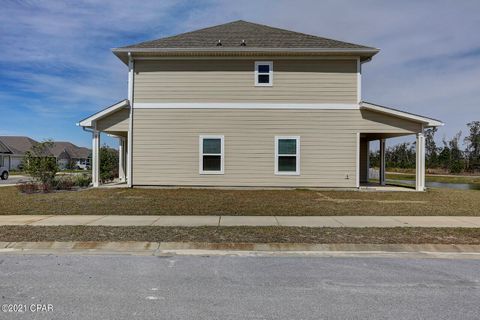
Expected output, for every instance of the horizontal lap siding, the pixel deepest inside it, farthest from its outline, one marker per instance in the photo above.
(308, 81)
(117, 121)
(166, 145)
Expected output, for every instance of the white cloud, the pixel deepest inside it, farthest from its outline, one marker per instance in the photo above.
(56, 55)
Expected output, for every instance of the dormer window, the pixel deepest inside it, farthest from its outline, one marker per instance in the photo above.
(263, 73)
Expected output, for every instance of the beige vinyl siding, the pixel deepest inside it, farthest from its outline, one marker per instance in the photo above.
(363, 160)
(117, 121)
(298, 81)
(166, 145)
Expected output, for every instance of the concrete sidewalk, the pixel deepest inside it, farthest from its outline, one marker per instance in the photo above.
(287, 221)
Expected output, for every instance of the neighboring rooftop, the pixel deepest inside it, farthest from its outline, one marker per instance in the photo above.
(73, 151)
(244, 36)
(17, 144)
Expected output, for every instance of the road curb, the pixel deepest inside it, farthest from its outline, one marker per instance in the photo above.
(241, 249)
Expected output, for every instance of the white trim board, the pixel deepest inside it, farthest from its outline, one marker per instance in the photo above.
(227, 105)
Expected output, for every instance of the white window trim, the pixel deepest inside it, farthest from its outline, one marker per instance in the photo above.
(287, 173)
(201, 154)
(270, 73)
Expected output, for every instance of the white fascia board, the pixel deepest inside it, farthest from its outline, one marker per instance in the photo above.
(216, 105)
(87, 122)
(250, 49)
(401, 114)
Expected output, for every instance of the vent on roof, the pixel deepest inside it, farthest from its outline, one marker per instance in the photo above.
(219, 43)
(243, 44)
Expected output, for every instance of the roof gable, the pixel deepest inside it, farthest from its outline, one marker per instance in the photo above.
(18, 144)
(243, 38)
(232, 35)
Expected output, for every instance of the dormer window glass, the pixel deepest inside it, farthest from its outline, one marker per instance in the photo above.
(263, 73)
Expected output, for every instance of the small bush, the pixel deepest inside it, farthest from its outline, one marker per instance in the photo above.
(64, 183)
(27, 187)
(82, 180)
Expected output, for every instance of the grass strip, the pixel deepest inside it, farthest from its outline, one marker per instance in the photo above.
(399, 235)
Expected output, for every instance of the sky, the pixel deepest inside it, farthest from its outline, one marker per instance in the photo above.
(57, 66)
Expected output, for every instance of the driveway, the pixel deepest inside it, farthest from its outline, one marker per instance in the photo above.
(223, 287)
(12, 180)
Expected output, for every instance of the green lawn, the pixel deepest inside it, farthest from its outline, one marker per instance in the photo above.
(240, 202)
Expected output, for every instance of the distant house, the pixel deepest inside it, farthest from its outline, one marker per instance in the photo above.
(244, 104)
(12, 150)
(68, 155)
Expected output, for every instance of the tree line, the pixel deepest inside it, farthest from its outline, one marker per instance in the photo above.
(449, 156)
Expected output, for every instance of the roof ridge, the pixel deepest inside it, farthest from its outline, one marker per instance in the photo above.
(242, 23)
(300, 33)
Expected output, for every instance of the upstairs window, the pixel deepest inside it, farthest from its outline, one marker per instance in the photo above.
(263, 73)
(287, 155)
(211, 154)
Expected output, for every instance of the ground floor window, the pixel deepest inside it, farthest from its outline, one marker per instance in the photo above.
(287, 155)
(211, 154)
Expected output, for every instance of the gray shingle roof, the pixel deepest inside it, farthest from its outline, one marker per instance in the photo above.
(255, 35)
(18, 144)
(73, 151)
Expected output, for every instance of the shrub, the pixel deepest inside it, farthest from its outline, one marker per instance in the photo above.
(108, 164)
(40, 165)
(27, 186)
(83, 180)
(64, 183)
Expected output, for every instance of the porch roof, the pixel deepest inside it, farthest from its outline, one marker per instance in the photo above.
(428, 122)
(87, 122)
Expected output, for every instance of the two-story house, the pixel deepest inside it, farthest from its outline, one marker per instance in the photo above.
(244, 104)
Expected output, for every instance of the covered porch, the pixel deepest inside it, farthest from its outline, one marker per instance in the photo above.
(113, 121)
(406, 124)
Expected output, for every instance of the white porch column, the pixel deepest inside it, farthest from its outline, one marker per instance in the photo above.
(382, 162)
(420, 163)
(96, 158)
(121, 159)
(131, 66)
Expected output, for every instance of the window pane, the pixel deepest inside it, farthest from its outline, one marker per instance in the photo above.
(264, 68)
(287, 163)
(212, 163)
(263, 78)
(212, 146)
(287, 146)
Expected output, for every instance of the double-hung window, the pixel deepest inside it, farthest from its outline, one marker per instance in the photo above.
(263, 73)
(287, 155)
(211, 154)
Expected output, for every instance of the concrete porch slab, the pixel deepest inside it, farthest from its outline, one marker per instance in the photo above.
(248, 221)
(187, 221)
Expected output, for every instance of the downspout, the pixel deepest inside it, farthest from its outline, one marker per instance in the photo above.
(130, 121)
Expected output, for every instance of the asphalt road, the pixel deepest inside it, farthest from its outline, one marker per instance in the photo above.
(223, 287)
(12, 180)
